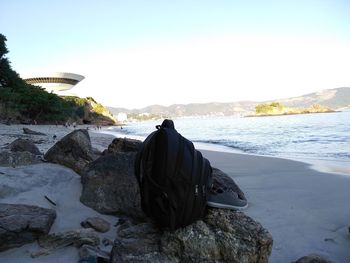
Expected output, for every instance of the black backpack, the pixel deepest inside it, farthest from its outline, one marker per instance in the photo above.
(174, 178)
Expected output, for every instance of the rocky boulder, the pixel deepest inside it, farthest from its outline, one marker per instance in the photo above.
(123, 145)
(8, 158)
(23, 145)
(73, 150)
(110, 187)
(21, 224)
(222, 236)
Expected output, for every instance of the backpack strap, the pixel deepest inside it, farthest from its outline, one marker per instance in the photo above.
(165, 124)
(140, 152)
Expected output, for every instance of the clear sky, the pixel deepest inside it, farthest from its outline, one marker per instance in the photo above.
(138, 53)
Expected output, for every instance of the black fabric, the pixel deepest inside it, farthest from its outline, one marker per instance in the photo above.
(174, 178)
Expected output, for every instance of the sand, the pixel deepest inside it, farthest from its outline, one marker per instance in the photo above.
(306, 211)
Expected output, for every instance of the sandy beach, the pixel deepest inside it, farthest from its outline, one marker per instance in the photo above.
(306, 211)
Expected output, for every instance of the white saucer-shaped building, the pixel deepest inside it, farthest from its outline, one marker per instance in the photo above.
(56, 82)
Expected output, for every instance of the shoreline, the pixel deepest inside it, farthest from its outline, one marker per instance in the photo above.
(327, 166)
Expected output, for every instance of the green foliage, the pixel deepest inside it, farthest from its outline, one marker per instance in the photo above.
(28, 101)
(25, 102)
(99, 108)
(3, 48)
(143, 117)
(268, 108)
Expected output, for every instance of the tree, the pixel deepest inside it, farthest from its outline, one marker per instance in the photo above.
(268, 108)
(3, 48)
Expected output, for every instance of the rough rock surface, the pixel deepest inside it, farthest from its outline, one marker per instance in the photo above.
(123, 145)
(21, 224)
(23, 145)
(97, 223)
(222, 236)
(76, 237)
(8, 158)
(73, 150)
(110, 187)
(89, 253)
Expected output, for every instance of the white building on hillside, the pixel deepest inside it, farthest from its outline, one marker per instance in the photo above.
(57, 82)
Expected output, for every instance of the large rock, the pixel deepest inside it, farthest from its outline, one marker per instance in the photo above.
(123, 145)
(73, 150)
(222, 236)
(23, 145)
(8, 158)
(21, 224)
(110, 187)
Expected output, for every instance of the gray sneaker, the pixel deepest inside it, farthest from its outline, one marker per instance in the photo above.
(225, 193)
(225, 198)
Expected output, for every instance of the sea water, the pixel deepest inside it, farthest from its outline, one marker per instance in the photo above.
(306, 137)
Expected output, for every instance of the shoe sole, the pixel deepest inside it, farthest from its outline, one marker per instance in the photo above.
(217, 205)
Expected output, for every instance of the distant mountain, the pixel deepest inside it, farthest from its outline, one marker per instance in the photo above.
(333, 98)
(338, 98)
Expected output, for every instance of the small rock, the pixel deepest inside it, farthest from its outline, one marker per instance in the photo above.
(313, 258)
(29, 131)
(97, 223)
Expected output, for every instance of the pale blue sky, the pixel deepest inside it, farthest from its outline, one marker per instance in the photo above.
(136, 53)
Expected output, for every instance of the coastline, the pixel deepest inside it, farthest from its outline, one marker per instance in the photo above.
(286, 113)
(305, 210)
(327, 166)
